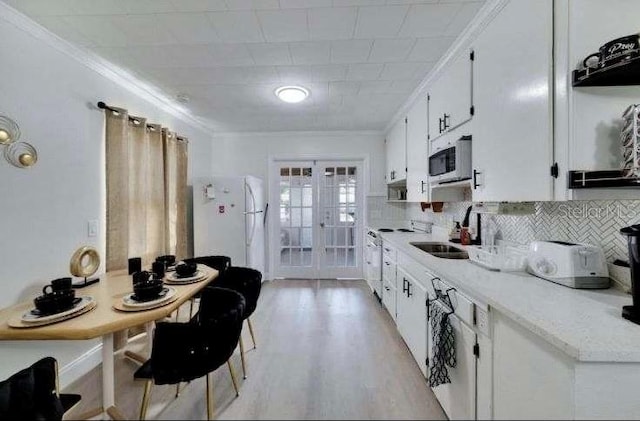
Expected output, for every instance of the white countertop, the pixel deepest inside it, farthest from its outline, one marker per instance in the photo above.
(585, 324)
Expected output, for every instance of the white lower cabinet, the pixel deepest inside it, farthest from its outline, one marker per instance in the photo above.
(411, 309)
(389, 292)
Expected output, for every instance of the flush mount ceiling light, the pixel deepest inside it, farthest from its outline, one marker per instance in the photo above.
(292, 94)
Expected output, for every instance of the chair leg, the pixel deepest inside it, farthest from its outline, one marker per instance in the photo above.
(209, 392)
(244, 363)
(177, 389)
(190, 308)
(253, 336)
(177, 314)
(233, 378)
(145, 399)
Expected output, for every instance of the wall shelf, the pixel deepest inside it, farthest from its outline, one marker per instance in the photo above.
(620, 74)
(599, 179)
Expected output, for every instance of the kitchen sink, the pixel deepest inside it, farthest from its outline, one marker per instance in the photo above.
(443, 250)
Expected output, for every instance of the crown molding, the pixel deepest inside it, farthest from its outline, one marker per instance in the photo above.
(486, 14)
(270, 135)
(119, 76)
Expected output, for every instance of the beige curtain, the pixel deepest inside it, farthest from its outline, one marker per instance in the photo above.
(175, 179)
(146, 190)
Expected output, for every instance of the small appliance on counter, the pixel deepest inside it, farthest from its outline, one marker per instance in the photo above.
(632, 312)
(581, 266)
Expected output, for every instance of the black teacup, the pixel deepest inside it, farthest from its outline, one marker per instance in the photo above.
(168, 259)
(147, 290)
(141, 276)
(186, 269)
(57, 285)
(55, 302)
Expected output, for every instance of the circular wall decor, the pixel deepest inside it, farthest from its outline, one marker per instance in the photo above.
(21, 154)
(84, 262)
(9, 130)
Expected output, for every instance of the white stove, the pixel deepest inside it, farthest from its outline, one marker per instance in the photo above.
(373, 251)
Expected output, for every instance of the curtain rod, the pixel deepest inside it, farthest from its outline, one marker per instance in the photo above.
(104, 106)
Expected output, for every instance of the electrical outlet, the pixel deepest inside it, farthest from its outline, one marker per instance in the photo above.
(482, 320)
(92, 228)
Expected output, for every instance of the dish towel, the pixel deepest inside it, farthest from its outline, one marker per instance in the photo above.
(443, 347)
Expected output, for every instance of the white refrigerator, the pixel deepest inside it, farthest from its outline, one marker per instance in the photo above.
(229, 216)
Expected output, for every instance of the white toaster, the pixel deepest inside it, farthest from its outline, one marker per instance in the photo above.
(569, 264)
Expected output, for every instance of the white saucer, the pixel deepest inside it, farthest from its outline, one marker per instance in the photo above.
(127, 301)
(29, 317)
(173, 277)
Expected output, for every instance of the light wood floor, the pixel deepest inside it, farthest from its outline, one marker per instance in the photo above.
(326, 350)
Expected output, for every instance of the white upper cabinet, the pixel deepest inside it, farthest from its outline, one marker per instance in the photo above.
(417, 153)
(451, 97)
(589, 119)
(512, 146)
(396, 149)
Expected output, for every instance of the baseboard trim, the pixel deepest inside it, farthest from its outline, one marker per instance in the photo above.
(80, 366)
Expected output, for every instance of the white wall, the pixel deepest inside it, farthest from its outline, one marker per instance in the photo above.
(249, 154)
(44, 210)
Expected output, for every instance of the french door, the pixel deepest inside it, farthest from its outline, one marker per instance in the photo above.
(319, 218)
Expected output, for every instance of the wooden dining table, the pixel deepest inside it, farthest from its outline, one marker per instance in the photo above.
(102, 321)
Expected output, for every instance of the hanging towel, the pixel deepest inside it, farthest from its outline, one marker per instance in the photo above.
(443, 347)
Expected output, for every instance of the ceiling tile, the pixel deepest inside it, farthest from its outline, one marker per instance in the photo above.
(237, 26)
(399, 71)
(366, 71)
(61, 28)
(462, 19)
(98, 7)
(144, 30)
(329, 72)
(380, 21)
(343, 88)
(404, 86)
(390, 50)
(100, 30)
(284, 25)
(375, 87)
(304, 4)
(199, 5)
(332, 23)
(292, 75)
(231, 54)
(270, 53)
(351, 51)
(429, 20)
(339, 3)
(148, 6)
(252, 4)
(430, 49)
(189, 28)
(318, 52)
(43, 7)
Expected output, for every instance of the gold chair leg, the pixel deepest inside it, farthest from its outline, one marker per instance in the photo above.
(145, 399)
(209, 392)
(253, 336)
(233, 378)
(244, 363)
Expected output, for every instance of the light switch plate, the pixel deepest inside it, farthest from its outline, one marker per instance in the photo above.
(92, 228)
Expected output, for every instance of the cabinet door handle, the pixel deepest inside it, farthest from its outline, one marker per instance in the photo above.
(409, 293)
(446, 122)
(440, 129)
(387, 288)
(475, 179)
(422, 188)
(404, 285)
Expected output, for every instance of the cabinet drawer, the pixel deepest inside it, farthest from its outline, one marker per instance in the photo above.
(388, 251)
(389, 269)
(463, 306)
(389, 297)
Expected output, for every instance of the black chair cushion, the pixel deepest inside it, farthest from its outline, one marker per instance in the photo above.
(246, 281)
(31, 393)
(185, 351)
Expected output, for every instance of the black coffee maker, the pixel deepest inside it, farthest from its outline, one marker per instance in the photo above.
(632, 312)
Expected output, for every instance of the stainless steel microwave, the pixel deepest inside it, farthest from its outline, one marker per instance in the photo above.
(452, 163)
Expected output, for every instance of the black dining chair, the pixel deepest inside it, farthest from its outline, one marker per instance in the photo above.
(33, 394)
(247, 282)
(219, 263)
(182, 352)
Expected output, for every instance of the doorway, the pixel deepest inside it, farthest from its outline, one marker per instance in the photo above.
(319, 219)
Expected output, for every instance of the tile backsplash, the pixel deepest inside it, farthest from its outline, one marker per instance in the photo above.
(378, 209)
(594, 222)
